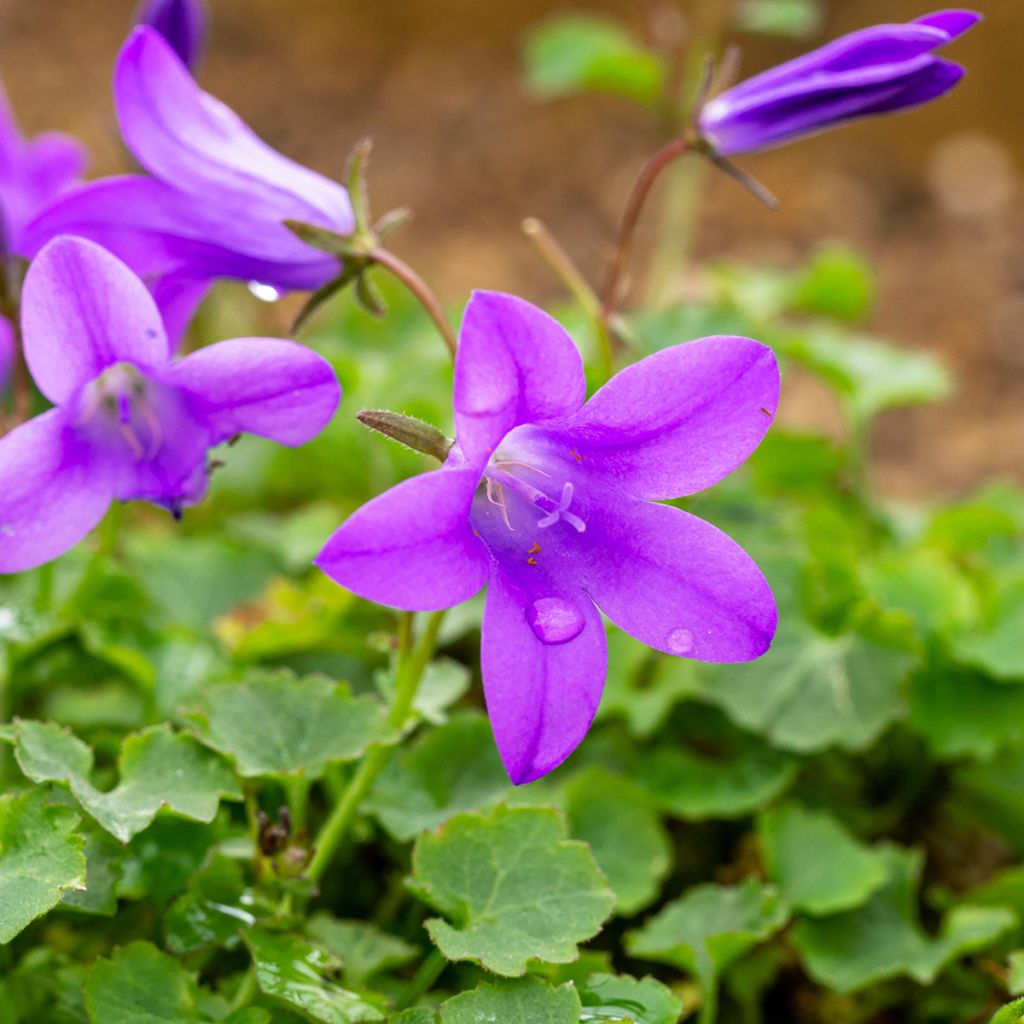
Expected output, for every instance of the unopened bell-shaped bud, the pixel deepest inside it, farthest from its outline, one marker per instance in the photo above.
(181, 22)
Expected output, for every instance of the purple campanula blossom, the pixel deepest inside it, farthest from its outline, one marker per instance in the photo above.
(8, 352)
(553, 504)
(216, 196)
(181, 22)
(128, 423)
(875, 71)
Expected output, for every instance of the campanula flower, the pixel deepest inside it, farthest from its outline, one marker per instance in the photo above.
(875, 71)
(7, 352)
(181, 22)
(553, 504)
(216, 196)
(128, 423)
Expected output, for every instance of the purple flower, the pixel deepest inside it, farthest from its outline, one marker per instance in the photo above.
(181, 22)
(128, 423)
(875, 71)
(7, 352)
(218, 195)
(552, 503)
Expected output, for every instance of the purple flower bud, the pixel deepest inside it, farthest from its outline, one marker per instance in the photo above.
(875, 71)
(130, 423)
(217, 197)
(181, 22)
(554, 504)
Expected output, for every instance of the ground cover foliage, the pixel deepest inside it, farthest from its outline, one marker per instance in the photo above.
(831, 833)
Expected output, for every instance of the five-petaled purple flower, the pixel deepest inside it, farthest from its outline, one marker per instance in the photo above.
(129, 423)
(875, 71)
(217, 198)
(552, 503)
(181, 22)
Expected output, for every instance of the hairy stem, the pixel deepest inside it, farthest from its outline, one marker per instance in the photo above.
(412, 661)
(420, 290)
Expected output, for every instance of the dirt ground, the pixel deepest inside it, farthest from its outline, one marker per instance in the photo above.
(933, 197)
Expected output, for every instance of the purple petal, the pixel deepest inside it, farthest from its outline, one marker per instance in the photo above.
(181, 22)
(928, 85)
(52, 493)
(412, 547)
(192, 141)
(8, 351)
(268, 386)
(156, 230)
(82, 311)
(515, 364)
(676, 583)
(541, 697)
(178, 295)
(679, 420)
(953, 23)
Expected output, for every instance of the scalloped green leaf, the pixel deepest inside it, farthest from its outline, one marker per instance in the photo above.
(528, 1000)
(620, 998)
(141, 985)
(624, 831)
(282, 726)
(813, 691)
(513, 888)
(883, 939)
(298, 974)
(158, 768)
(819, 867)
(42, 857)
(363, 948)
(995, 647)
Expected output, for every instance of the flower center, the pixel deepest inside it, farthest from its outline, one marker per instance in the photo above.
(117, 408)
(505, 479)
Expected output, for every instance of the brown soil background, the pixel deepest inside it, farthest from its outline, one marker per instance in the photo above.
(933, 197)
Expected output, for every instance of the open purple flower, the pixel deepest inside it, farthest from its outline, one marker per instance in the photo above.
(552, 503)
(218, 195)
(181, 22)
(128, 423)
(875, 71)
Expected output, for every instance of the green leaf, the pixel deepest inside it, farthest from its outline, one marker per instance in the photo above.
(960, 712)
(837, 283)
(158, 768)
(812, 691)
(41, 858)
(211, 913)
(444, 682)
(695, 787)
(450, 769)
(103, 856)
(709, 927)
(798, 19)
(819, 867)
(1012, 1013)
(140, 985)
(297, 973)
(417, 1015)
(996, 647)
(625, 834)
(1015, 967)
(512, 886)
(363, 948)
(526, 1001)
(580, 53)
(282, 726)
(869, 375)
(620, 998)
(883, 939)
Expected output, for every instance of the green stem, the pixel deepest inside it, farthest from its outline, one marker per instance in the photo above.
(44, 590)
(570, 275)
(248, 989)
(412, 661)
(430, 970)
(297, 790)
(860, 456)
(708, 1004)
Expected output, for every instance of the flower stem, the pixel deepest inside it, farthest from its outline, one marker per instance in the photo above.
(420, 290)
(650, 173)
(421, 981)
(570, 275)
(412, 661)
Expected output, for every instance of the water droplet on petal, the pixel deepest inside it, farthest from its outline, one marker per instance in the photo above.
(680, 641)
(554, 620)
(264, 292)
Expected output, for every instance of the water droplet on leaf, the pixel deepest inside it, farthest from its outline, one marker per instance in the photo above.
(680, 641)
(554, 620)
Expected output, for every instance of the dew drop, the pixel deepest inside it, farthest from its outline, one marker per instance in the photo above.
(554, 620)
(680, 641)
(264, 292)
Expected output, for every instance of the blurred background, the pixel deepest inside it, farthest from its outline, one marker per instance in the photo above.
(932, 198)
